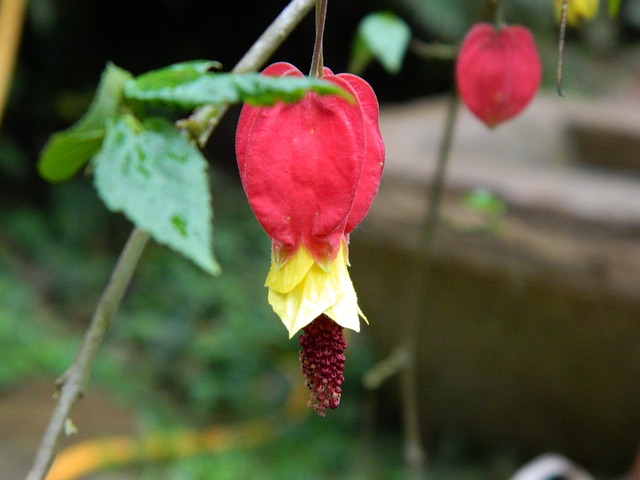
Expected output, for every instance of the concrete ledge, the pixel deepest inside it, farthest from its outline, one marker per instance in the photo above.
(529, 331)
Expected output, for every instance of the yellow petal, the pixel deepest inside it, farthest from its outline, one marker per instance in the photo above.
(319, 291)
(345, 310)
(284, 278)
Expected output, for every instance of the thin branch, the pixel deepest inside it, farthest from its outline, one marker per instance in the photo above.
(208, 117)
(72, 384)
(385, 369)
(415, 454)
(437, 185)
(402, 360)
(561, 39)
(273, 36)
(433, 50)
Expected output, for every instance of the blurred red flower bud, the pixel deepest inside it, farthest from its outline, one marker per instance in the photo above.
(498, 71)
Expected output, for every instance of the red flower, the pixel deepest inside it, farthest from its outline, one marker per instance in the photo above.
(498, 71)
(310, 171)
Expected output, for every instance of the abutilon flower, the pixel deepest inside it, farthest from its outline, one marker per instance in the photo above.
(498, 71)
(310, 171)
(577, 10)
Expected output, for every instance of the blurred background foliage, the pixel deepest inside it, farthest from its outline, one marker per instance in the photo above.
(188, 350)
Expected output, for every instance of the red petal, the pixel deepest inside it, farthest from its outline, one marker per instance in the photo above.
(374, 152)
(498, 72)
(249, 113)
(300, 166)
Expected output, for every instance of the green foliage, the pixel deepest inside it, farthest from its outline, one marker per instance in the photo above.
(212, 346)
(14, 164)
(484, 201)
(614, 7)
(447, 19)
(383, 36)
(31, 343)
(158, 179)
(311, 451)
(487, 208)
(190, 85)
(147, 168)
(70, 150)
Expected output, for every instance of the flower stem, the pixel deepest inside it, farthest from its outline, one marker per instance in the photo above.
(317, 61)
(437, 185)
(498, 13)
(73, 382)
(561, 36)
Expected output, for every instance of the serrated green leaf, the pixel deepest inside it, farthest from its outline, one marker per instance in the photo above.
(191, 89)
(614, 7)
(158, 179)
(68, 151)
(383, 36)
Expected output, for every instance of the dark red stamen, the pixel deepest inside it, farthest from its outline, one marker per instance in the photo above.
(322, 362)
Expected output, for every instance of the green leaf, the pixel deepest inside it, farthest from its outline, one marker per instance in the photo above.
(614, 7)
(382, 36)
(158, 179)
(190, 86)
(446, 20)
(174, 75)
(68, 151)
(485, 201)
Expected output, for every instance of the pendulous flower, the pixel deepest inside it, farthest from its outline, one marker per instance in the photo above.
(310, 171)
(498, 71)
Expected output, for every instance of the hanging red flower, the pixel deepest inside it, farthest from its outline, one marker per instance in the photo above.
(498, 71)
(310, 171)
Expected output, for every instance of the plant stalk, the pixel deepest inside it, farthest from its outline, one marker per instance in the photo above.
(415, 454)
(73, 382)
(317, 60)
(561, 39)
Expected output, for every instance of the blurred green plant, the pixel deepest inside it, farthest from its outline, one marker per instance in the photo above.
(31, 340)
(187, 350)
(484, 201)
(382, 36)
(201, 341)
